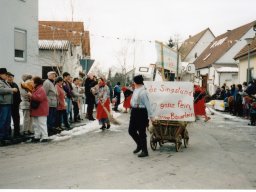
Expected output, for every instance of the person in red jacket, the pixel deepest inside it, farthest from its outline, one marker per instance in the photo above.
(127, 98)
(103, 107)
(199, 102)
(61, 107)
(39, 110)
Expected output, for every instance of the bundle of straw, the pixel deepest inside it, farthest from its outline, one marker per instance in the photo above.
(110, 116)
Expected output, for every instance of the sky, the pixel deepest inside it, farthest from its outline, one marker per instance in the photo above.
(114, 23)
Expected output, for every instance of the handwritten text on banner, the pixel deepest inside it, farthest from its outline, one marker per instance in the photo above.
(171, 101)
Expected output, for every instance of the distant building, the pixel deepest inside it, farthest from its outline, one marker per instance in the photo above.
(216, 65)
(62, 45)
(19, 37)
(190, 49)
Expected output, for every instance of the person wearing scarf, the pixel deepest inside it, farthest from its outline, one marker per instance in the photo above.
(127, 98)
(199, 102)
(103, 100)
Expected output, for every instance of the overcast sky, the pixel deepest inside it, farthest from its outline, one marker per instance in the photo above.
(147, 20)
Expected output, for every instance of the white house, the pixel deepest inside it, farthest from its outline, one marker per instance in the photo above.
(61, 46)
(190, 49)
(216, 65)
(19, 37)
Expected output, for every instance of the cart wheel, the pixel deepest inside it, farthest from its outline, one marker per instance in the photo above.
(153, 143)
(186, 139)
(186, 142)
(178, 143)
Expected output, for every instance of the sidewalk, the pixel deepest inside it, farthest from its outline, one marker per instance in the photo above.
(225, 115)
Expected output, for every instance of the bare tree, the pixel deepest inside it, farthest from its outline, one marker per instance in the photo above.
(122, 57)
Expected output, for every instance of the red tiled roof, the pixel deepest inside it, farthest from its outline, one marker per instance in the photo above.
(190, 43)
(221, 45)
(244, 51)
(65, 30)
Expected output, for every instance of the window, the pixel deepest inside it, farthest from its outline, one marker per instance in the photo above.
(20, 44)
(143, 69)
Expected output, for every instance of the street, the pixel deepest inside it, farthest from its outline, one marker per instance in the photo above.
(221, 155)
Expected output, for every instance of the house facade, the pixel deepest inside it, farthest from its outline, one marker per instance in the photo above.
(216, 65)
(190, 49)
(247, 60)
(62, 45)
(19, 37)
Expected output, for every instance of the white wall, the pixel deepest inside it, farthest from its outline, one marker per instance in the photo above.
(22, 15)
(228, 78)
(202, 44)
(243, 65)
(69, 63)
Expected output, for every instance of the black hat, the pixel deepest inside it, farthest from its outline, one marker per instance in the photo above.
(138, 79)
(9, 74)
(3, 71)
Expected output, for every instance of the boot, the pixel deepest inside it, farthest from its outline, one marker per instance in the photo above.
(103, 127)
(137, 150)
(35, 140)
(143, 154)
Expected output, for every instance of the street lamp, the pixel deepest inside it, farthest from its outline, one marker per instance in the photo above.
(248, 41)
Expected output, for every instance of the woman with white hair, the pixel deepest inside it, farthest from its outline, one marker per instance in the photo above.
(26, 87)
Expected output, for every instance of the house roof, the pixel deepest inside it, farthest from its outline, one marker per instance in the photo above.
(64, 30)
(221, 45)
(244, 51)
(53, 44)
(190, 43)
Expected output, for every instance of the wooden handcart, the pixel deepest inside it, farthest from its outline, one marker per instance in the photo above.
(163, 131)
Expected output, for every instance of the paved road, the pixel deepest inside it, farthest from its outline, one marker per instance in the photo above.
(221, 155)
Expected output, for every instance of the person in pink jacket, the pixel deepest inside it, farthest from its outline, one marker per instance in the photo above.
(39, 110)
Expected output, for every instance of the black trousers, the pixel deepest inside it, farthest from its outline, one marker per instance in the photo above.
(118, 100)
(61, 115)
(90, 110)
(76, 110)
(16, 119)
(137, 128)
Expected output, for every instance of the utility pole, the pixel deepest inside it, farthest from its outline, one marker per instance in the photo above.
(134, 52)
(178, 60)
(162, 59)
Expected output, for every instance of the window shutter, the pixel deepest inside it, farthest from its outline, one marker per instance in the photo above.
(19, 40)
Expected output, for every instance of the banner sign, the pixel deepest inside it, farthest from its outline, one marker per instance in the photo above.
(169, 57)
(171, 101)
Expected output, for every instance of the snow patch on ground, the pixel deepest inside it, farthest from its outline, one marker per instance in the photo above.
(91, 126)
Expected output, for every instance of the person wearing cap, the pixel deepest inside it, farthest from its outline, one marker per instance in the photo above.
(15, 105)
(51, 93)
(26, 87)
(6, 100)
(140, 112)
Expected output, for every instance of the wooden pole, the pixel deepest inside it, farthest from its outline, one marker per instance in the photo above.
(162, 59)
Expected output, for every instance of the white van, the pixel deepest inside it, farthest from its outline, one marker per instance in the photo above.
(146, 71)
